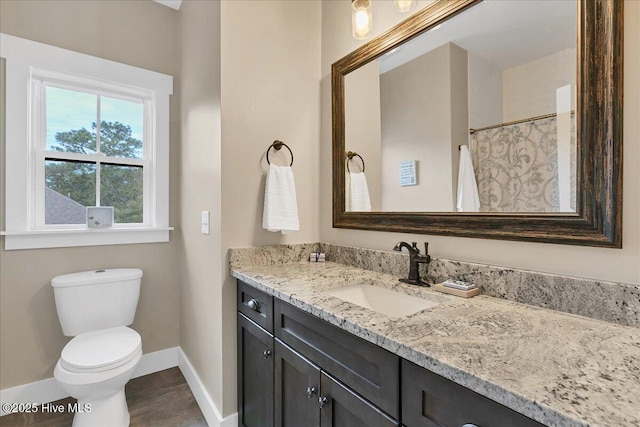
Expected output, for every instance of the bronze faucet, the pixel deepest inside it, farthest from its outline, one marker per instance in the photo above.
(415, 259)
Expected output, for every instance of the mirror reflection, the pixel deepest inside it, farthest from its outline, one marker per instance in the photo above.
(475, 115)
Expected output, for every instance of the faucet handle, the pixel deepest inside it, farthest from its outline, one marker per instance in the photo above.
(426, 253)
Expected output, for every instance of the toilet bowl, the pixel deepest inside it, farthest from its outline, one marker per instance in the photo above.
(94, 368)
(95, 307)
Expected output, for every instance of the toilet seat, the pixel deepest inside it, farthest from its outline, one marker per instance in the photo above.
(101, 350)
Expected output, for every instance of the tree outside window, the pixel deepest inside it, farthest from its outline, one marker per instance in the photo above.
(121, 186)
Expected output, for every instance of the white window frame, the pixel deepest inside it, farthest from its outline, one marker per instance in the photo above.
(28, 66)
(40, 80)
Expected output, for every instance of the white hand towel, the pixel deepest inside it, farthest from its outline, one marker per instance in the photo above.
(280, 203)
(468, 199)
(357, 192)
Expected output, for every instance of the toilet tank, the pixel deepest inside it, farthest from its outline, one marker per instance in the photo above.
(99, 299)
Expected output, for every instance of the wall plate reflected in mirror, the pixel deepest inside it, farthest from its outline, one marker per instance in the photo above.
(99, 216)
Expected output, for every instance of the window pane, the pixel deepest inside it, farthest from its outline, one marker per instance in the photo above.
(71, 120)
(121, 187)
(69, 188)
(121, 127)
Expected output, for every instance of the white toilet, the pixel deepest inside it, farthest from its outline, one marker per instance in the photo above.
(95, 307)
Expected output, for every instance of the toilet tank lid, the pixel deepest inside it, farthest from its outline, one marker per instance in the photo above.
(96, 276)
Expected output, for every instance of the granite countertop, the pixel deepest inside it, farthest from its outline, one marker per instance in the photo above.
(557, 368)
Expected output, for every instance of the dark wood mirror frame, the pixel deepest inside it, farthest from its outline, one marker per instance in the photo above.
(598, 217)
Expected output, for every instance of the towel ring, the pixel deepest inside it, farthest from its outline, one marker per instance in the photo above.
(277, 144)
(351, 155)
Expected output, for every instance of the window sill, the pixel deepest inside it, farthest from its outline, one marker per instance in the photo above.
(39, 239)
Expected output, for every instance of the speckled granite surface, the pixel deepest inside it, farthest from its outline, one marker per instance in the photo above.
(270, 255)
(556, 368)
(611, 302)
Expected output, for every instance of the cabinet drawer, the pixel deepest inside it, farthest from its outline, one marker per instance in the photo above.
(429, 400)
(256, 305)
(368, 369)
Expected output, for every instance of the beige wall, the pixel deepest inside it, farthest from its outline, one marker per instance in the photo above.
(416, 109)
(459, 112)
(485, 92)
(200, 190)
(362, 126)
(31, 337)
(608, 264)
(270, 58)
(529, 90)
(269, 91)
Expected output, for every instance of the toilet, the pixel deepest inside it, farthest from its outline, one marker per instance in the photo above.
(95, 307)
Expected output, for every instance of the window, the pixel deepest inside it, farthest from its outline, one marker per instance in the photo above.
(91, 151)
(83, 131)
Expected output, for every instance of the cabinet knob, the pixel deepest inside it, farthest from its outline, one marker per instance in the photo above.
(310, 392)
(253, 304)
(322, 401)
(470, 425)
(266, 354)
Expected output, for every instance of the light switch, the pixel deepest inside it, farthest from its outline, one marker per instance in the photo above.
(204, 222)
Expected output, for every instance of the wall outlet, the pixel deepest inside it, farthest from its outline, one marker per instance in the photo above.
(204, 222)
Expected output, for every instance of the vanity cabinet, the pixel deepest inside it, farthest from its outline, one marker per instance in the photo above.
(305, 395)
(429, 400)
(256, 305)
(341, 407)
(369, 370)
(255, 357)
(296, 370)
(297, 387)
(255, 374)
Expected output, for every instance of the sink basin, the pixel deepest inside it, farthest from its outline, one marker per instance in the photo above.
(382, 300)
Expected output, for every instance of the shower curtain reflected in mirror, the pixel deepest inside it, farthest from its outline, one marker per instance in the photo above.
(516, 167)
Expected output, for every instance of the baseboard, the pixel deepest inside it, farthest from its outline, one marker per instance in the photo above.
(157, 361)
(208, 408)
(33, 393)
(48, 390)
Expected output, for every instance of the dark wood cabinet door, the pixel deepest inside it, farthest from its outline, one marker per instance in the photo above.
(429, 400)
(341, 407)
(371, 371)
(255, 374)
(297, 383)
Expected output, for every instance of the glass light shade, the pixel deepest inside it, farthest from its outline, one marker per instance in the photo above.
(361, 19)
(404, 5)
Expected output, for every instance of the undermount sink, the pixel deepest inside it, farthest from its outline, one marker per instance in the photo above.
(382, 300)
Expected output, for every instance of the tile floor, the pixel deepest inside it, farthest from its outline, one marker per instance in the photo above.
(158, 400)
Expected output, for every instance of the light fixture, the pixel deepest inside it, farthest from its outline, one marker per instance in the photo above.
(404, 5)
(361, 19)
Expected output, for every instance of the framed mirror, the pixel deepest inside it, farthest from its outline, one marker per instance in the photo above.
(489, 119)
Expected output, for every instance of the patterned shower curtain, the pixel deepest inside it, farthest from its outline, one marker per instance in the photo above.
(516, 167)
